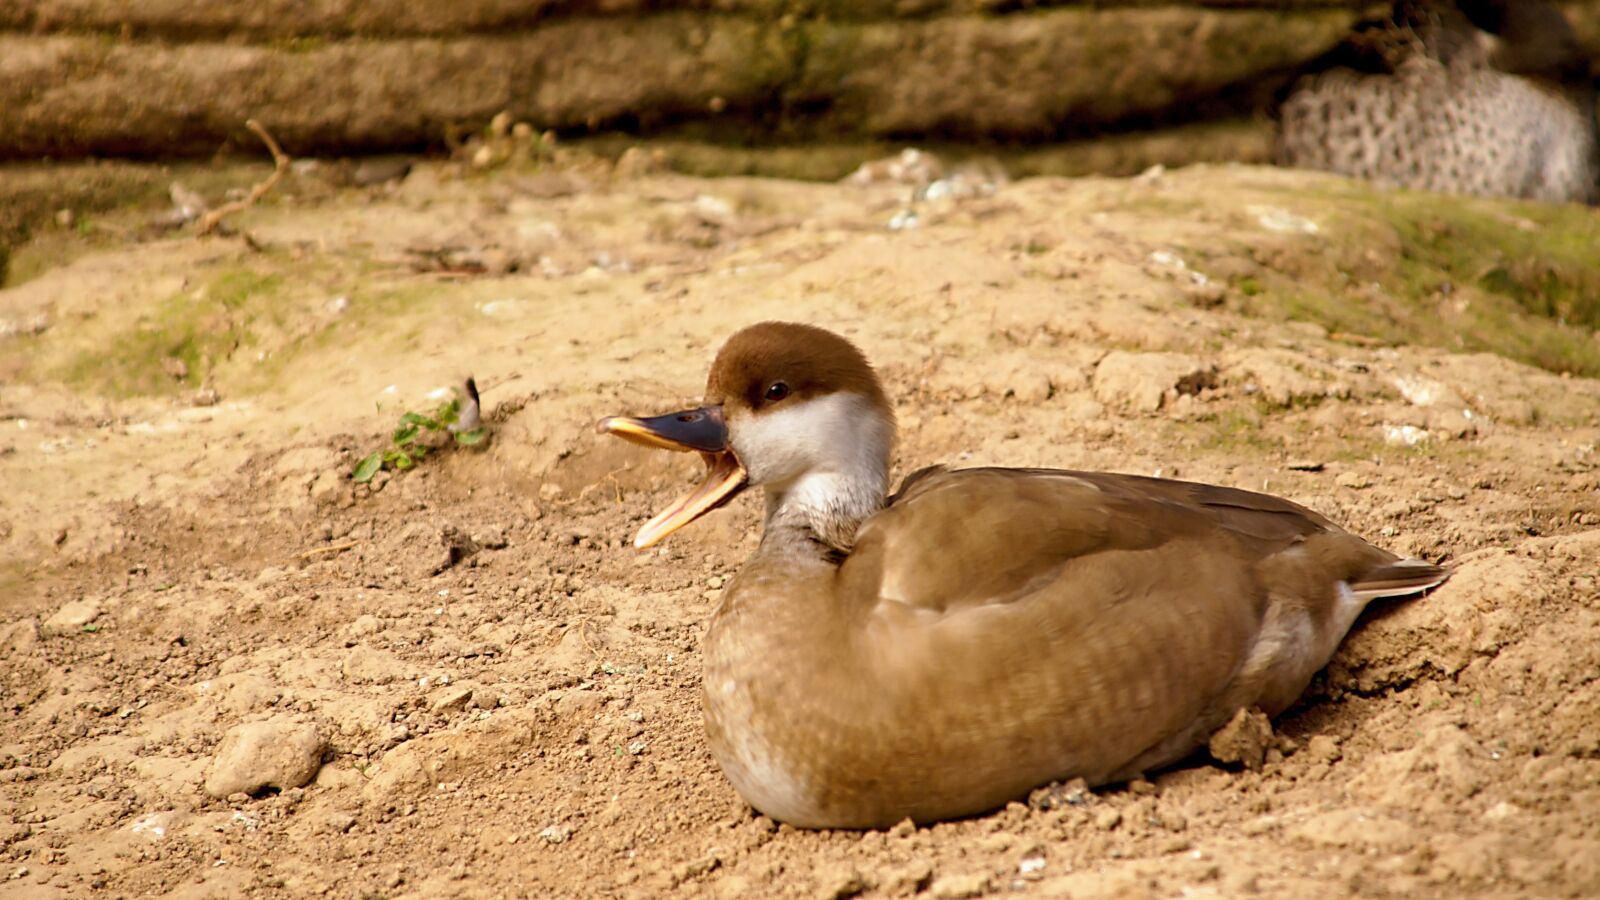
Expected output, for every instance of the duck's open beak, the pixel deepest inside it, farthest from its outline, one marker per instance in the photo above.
(701, 430)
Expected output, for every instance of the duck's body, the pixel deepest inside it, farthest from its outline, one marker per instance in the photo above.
(1488, 97)
(964, 653)
(992, 630)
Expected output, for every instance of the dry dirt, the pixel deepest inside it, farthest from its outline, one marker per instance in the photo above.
(186, 553)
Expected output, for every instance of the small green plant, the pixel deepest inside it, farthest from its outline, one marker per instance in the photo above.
(406, 450)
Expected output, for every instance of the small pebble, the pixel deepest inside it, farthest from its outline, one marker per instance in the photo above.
(1353, 480)
(961, 886)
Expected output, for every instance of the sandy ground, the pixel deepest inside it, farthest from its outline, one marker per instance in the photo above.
(189, 565)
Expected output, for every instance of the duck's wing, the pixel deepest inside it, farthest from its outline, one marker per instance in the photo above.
(1208, 598)
(976, 537)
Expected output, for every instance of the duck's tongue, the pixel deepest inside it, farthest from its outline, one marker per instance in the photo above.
(700, 430)
(724, 478)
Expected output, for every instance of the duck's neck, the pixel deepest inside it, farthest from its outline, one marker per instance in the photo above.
(824, 464)
(820, 512)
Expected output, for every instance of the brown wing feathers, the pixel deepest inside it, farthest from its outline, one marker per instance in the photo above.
(1131, 512)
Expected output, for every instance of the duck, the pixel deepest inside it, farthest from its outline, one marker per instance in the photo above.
(1485, 97)
(939, 652)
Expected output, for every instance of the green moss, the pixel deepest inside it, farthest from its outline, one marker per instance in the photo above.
(372, 318)
(1463, 273)
(1551, 269)
(1247, 285)
(305, 43)
(30, 195)
(1235, 430)
(199, 329)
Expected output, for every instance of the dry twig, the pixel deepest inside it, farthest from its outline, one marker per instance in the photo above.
(280, 165)
(335, 548)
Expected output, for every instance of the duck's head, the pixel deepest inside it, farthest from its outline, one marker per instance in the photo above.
(793, 409)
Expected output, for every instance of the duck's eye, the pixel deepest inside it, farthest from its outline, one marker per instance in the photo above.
(777, 391)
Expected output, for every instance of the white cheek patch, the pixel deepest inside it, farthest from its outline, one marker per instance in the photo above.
(836, 434)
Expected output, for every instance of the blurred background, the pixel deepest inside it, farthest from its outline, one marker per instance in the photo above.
(1052, 87)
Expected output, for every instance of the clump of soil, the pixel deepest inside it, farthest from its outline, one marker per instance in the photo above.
(491, 693)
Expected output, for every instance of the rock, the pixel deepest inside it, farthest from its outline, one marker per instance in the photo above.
(1447, 413)
(271, 754)
(1244, 739)
(329, 488)
(73, 616)
(1404, 435)
(1058, 795)
(492, 537)
(906, 880)
(637, 162)
(369, 665)
(1323, 748)
(1283, 378)
(1419, 390)
(454, 696)
(449, 546)
(1144, 382)
(19, 638)
(1455, 423)
(403, 771)
(960, 886)
(1501, 810)
(911, 167)
(338, 822)
(38, 324)
(364, 625)
(238, 693)
(1108, 819)
(840, 883)
(379, 171)
(1355, 481)
(1027, 377)
(11, 832)
(1029, 387)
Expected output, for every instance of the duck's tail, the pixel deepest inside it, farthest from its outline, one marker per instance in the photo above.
(1400, 578)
